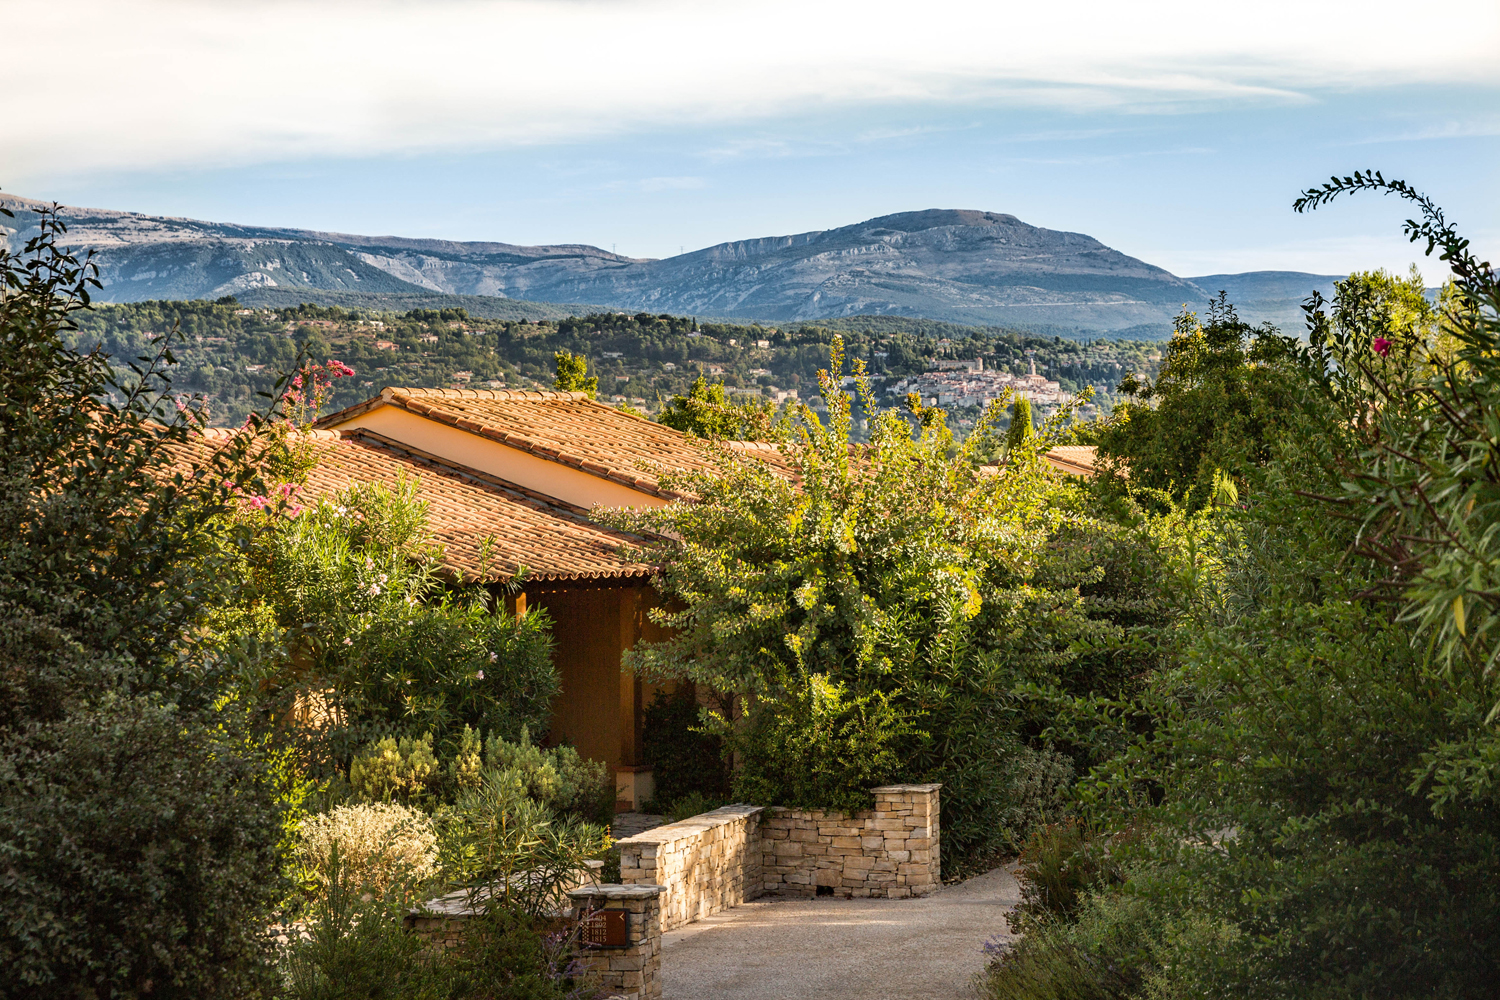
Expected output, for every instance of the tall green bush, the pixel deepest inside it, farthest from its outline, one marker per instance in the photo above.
(685, 757)
(140, 819)
(819, 747)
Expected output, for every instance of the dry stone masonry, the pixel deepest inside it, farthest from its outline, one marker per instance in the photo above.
(707, 863)
(719, 859)
(890, 851)
(632, 970)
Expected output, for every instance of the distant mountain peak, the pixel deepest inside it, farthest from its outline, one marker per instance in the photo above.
(937, 218)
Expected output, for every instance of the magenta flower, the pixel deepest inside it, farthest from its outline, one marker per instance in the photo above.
(1382, 346)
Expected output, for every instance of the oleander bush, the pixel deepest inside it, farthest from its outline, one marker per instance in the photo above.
(345, 606)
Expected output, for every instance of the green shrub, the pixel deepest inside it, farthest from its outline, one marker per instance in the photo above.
(396, 770)
(141, 854)
(1058, 867)
(508, 955)
(141, 829)
(346, 601)
(407, 770)
(684, 758)
(821, 748)
(1099, 956)
(354, 944)
(690, 805)
(567, 783)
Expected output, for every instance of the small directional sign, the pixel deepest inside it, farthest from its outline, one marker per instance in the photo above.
(605, 929)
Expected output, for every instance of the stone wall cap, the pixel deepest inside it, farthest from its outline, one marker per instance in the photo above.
(612, 891)
(907, 788)
(694, 825)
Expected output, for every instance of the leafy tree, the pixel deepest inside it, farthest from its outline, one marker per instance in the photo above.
(139, 819)
(1314, 806)
(893, 573)
(1198, 417)
(705, 411)
(572, 374)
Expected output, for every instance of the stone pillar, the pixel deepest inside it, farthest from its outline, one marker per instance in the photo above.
(629, 967)
(906, 817)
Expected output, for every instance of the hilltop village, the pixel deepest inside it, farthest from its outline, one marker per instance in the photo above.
(966, 383)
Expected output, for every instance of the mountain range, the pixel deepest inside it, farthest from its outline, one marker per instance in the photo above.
(959, 266)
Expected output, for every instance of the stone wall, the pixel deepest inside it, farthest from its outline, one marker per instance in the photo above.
(630, 970)
(720, 859)
(706, 864)
(890, 851)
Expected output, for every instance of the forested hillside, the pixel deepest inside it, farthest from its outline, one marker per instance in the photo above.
(228, 353)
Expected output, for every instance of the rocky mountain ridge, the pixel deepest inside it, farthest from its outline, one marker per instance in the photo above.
(961, 266)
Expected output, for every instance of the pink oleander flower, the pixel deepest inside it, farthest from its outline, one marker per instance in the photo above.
(348, 641)
(479, 676)
(1382, 346)
(338, 369)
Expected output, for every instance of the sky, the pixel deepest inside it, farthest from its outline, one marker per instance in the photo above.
(1177, 132)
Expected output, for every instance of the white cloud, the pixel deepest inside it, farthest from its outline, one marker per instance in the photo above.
(149, 84)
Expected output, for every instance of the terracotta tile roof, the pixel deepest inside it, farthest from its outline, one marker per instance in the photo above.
(1074, 459)
(552, 539)
(565, 427)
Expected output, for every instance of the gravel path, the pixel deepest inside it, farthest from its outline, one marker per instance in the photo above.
(837, 949)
